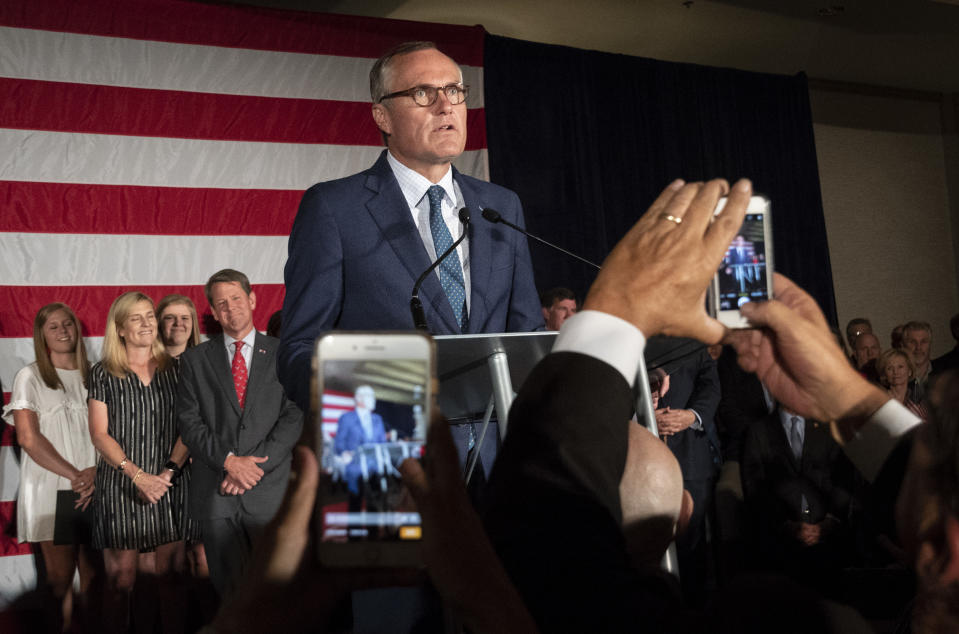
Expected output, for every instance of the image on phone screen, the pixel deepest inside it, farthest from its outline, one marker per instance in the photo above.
(373, 418)
(743, 275)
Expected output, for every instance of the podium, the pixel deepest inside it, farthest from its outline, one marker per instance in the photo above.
(477, 371)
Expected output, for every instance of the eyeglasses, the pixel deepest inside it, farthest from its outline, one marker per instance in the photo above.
(426, 95)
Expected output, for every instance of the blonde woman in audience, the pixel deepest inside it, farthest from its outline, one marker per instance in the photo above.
(49, 410)
(133, 426)
(895, 370)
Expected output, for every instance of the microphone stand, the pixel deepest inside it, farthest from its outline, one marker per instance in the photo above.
(494, 216)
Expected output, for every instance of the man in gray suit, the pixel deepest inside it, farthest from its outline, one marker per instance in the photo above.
(239, 426)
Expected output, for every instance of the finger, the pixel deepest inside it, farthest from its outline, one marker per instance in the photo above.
(727, 223)
(701, 209)
(292, 520)
(656, 209)
(678, 205)
(442, 464)
(259, 460)
(415, 480)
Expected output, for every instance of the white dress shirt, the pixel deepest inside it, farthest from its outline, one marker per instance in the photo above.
(414, 186)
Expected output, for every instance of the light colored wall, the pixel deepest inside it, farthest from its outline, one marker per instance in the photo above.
(882, 167)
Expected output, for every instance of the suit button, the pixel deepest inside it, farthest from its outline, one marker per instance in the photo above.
(242, 426)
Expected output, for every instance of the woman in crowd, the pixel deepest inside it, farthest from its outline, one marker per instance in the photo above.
(49, 410)
(179, 327)
(133, 426)
(895, 370)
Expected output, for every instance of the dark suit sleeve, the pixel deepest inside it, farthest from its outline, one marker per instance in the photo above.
(278, 444)
(706, 392)
(553, 511)
(525, 313)
(199, 437)
(314, 292)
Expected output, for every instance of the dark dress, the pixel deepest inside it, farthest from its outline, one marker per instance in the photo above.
(142, 419)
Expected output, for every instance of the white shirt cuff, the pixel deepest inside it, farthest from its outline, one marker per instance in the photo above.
(876, 439)
(605, 337)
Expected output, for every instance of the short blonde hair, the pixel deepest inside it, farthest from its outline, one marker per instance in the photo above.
(114, 348)
(182, 300)
(886, 357)
(47, 372)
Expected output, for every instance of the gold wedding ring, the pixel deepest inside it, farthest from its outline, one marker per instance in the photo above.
(672, 218)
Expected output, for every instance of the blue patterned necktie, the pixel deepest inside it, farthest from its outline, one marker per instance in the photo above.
(451, 272)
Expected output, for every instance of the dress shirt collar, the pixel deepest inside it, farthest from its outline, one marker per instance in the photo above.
(414, 185)
(247, 348)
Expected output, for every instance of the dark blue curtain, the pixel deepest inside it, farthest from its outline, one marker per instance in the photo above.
(589, 139)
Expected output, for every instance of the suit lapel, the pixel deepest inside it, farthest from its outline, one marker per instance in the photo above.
(783, 440)
(259, 360)
(217, 356)
(389, 210)
(480, 246)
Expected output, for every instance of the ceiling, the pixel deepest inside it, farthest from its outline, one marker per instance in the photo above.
(904, 44)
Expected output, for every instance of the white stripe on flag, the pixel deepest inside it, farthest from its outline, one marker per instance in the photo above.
(53, 259)
(113, 61)
(9, 475)
(105, 159)
(334, 400)
(18, 575)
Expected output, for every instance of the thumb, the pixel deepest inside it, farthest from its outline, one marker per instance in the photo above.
(415, 479)
(258, 460)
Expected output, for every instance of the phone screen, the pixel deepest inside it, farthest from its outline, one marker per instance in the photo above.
(743, 275)
(373, 418)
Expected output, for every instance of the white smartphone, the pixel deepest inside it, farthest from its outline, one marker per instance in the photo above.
(375, 395)
(746, 274)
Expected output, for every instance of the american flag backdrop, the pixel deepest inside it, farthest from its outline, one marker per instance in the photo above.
(145, 144)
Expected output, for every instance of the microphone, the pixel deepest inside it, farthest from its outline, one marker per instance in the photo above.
(416, 306)
(494, 216)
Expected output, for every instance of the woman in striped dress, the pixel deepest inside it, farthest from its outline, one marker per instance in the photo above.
(133, 426)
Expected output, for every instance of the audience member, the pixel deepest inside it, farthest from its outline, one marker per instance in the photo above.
(559, 304)
(133, 427)
(239, 426)
(950, 360)
(916, 341)
(856, 327)
(895, 336)
(58, 464)
(686, 420)
(866, 351)
(275, 324)
(798, 488)
(179, 326)
(896, 373)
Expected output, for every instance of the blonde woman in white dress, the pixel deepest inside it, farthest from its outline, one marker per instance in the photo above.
(49, 410)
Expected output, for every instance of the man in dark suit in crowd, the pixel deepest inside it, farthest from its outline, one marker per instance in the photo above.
(798, 487)
(950, 360)
(239, 426)
(559, 304)
(359, 243)
(686, 419)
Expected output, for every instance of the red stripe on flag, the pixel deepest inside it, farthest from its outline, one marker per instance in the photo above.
(19, 304)
(8, 433)
(132, 210)
(241, 27)
(8, 539)
(88, 108)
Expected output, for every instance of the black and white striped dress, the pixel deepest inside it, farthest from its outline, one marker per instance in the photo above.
(142, 419)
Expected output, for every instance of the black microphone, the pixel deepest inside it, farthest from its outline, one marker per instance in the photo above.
(416, 306)
(494, 216)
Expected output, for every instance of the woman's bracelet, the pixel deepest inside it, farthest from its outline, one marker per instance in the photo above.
(137, 476)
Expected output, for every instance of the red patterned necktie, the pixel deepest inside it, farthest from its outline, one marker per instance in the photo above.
(240, 374)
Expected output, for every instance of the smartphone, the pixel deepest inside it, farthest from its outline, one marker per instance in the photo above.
(375, 398)
(746, 273)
